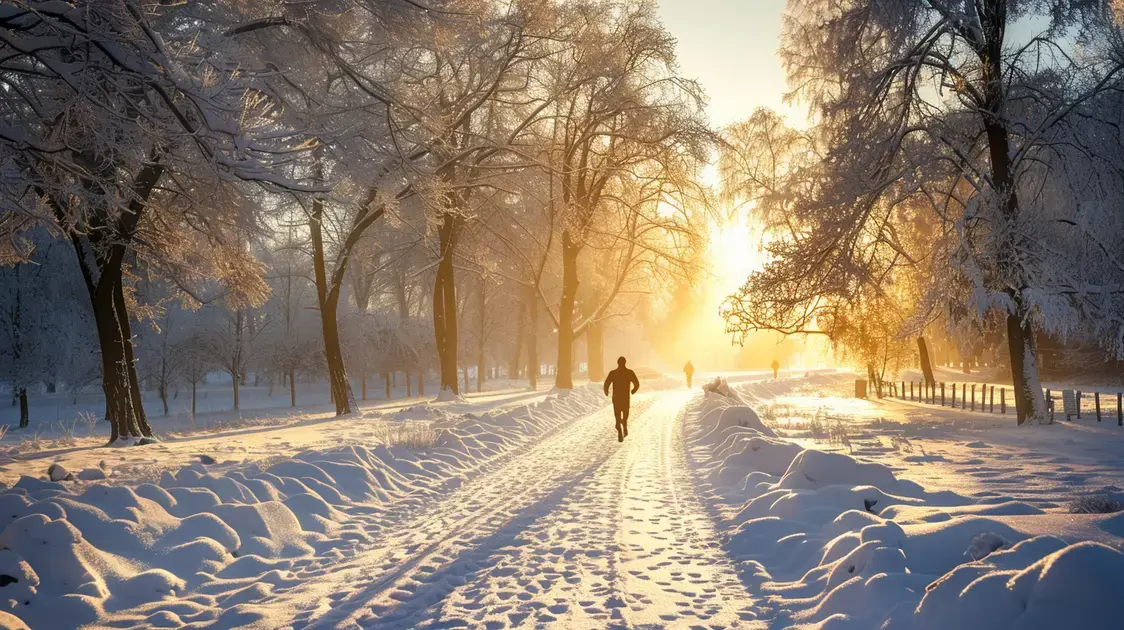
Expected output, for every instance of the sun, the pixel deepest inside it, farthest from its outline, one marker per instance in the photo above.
(735, 252)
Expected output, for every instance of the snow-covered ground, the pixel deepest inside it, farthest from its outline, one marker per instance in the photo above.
(266, 427)
(206, 539)
(790, 504)
(844, 513)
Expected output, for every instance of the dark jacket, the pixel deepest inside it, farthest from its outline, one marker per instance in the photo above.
(620, 379)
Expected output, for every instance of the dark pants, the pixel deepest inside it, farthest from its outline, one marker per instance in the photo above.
(620, 411)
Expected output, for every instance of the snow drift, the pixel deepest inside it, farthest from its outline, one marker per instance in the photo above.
(198, 543)
(831, 541)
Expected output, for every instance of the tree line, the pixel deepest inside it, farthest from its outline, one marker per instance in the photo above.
(332, 186)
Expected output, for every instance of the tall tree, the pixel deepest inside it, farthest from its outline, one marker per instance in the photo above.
(112, 115)
(933, 106)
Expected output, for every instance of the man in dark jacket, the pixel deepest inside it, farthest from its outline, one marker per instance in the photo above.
(621, 379)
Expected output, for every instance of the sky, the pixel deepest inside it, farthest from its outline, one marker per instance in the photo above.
(731, 47)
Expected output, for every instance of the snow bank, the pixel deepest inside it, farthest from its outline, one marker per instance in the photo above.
(836, 542)
(76, 550)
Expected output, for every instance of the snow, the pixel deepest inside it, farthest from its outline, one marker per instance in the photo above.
(838, 541)
(81, 550)
(777, 503)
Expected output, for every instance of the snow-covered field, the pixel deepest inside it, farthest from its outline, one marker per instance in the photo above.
(265, 427)
(836, 527)
(788, 504)
(258, 507)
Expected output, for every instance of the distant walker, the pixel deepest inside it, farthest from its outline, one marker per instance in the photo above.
(621, 379)
(776, 367)
(689, 370)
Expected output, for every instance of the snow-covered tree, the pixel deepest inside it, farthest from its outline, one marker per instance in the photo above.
(118, 121)
(935, 106)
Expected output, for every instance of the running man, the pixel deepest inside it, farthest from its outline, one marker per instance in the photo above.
(689, 370)
(621, 378)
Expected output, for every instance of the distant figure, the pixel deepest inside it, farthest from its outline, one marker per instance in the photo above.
(776, 367)
(621, 378)
(689, 370)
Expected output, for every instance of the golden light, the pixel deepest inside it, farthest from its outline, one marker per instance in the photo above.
(735, 252)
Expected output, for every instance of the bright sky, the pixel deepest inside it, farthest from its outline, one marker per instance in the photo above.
(731, 47)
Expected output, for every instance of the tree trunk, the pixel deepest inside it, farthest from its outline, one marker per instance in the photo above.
(115, 382)
(595, 351)
(445, 308)
(421, 383)
(292, 388)
(163, 391)
(193, 402)
(1030, 403)
(926, 365)
(342, 396)
(533, 343)
(386, 377)
(564, 378)
(409, 386)
(25, 417)
(875, 382)
(236, 383)
(363, 380)
(139, 418)
(480, 339)
(517, 350)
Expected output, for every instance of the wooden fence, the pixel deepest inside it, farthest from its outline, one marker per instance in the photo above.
(983, 397)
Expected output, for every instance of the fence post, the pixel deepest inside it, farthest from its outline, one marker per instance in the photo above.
(991, 401)
(1003, 400)
(1119, 409)
(973, 396)
(1077, 395)
(964, 396)
(942, 394)
(1049, 404)
(1097, 398)
(911, 390)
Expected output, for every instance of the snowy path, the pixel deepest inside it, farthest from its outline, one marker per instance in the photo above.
(578, 530)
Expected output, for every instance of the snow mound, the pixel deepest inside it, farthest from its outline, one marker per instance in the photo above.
(812, 469)
(448, 395)
(832, 541)
(200, 543)
(1074, 586)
